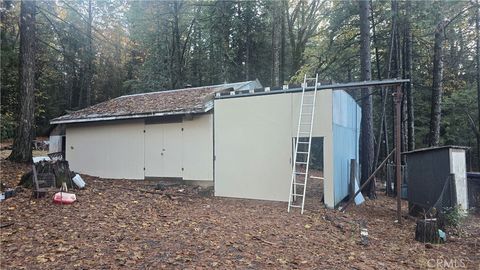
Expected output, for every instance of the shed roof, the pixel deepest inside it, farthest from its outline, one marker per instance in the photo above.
(171, 102)
(435, 148)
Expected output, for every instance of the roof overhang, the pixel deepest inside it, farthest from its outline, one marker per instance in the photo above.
(207, 108)
(335, 86)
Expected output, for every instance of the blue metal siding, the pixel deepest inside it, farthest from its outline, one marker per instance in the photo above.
(346, 126)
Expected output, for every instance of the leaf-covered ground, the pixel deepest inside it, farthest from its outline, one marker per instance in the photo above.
(129, 224)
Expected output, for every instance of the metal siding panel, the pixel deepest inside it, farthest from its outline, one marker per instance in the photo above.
(198, 148)
(459, 169)
(427, 172)
(346, 118)
(107, 150)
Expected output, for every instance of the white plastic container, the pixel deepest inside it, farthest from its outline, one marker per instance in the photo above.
(78, 181)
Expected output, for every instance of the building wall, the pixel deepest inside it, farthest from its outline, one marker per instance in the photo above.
(253, 144)
(322, 128)
(107, 149)
(459, 168)
(198, 148)
(121, 149)
(346, 131)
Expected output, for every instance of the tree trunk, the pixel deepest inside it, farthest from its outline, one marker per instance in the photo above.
(426, 231)
(89, 68)
(367, 143)
(408, 75)
(248, 42)
(437, 86)
(176, 76)
(477, 58)
(283, 42)
(276, 42)
(382, 132)
(22, 143)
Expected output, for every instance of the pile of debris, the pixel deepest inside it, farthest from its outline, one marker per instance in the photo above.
(52, 174)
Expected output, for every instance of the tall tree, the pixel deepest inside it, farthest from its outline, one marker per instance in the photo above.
(477, 60)
(22, 143)
(408, 75)
(276, 14)
(89, 62)
(437, 85)
(367, 142)
(302, 23)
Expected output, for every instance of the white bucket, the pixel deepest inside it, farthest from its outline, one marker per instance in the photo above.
(78, 181)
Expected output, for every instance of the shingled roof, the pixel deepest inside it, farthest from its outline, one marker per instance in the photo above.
(172, 102)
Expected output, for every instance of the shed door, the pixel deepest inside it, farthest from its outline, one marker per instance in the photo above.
(459, 169)
(163, 150)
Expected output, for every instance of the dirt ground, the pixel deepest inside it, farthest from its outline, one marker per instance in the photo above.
(129, 224)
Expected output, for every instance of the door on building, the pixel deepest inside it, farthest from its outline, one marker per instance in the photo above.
(163, 150)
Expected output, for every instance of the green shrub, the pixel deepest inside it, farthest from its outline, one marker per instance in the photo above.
(453, 216)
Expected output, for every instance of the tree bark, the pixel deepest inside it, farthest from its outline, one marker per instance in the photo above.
(367, 143)
(283, 42)
(22, 143)
(477, 58)
(248, 41)
(382, 131)
(408, 75)
(276, 42)
(437, 85)
(89, 69)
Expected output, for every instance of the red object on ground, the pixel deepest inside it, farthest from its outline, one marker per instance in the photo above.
(64, 198)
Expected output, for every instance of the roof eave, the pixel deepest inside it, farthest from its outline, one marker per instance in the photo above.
(206, 108)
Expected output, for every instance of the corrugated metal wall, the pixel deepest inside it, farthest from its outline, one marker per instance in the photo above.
(346, 125)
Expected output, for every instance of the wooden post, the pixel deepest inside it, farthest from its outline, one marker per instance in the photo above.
(353, 174)
(398, 103)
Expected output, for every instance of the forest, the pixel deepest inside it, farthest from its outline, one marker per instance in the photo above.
(61, 56)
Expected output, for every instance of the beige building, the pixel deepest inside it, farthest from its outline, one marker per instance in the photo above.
(166, 134)
(237, 137)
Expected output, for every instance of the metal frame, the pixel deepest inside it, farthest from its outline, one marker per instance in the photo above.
(336, 86)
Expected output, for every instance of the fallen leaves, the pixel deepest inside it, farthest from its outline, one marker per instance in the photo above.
(118, 224)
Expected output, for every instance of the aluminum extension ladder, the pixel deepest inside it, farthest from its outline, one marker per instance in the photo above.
(303, 144)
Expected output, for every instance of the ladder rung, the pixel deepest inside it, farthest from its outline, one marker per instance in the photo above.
(299, 173)
(304, 153)
(297, 206)
(304, 142)
(300, 162)
(300, 184)
(297, 194)
(310, 78)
